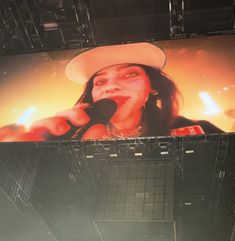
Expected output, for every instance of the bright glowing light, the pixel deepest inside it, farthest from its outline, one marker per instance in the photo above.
(25, 117)
(211, 106)
(225, 88)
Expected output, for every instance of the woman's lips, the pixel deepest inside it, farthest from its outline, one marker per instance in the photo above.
(120, 100)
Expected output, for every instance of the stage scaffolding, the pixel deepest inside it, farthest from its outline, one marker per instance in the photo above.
(167, 188)
(18, 169)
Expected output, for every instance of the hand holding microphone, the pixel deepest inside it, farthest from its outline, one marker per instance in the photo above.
(74, 123)
(70, 124)
(100, 113)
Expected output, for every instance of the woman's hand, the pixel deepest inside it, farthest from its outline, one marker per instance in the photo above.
(47, 128)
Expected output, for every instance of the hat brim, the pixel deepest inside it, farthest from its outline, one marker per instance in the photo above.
(83, 66)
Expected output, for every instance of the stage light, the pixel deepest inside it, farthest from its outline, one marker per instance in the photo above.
(210, 104)
(113, 155)
(138, 154)
(189, 151)
(51, 26)
(221, 174)
(89, 156)
(225, 88)
(25, 117)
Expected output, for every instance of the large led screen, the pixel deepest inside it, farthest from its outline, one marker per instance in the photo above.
(177, 88)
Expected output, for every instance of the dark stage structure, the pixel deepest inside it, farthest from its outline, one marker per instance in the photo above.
(156, 188)
(145, 189)
(45, 25)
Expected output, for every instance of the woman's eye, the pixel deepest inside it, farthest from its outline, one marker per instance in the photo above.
(131, 74)
(99, 82)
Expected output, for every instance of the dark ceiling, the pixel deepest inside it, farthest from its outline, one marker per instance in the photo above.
(39, 25)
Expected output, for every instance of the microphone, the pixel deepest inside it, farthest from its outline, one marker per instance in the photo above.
(100, 113)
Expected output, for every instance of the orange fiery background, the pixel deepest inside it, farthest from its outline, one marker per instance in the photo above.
(205, 64)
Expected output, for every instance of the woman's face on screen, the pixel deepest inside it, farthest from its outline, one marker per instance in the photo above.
(127, 84)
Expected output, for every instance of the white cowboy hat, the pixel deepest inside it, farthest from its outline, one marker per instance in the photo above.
(83, 66)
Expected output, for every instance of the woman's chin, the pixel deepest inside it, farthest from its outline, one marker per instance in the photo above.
(118, 118)
(126, 117)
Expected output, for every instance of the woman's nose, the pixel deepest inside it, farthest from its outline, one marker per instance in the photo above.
(112, 88)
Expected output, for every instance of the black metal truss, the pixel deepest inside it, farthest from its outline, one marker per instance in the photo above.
(40, 25)
(30, 26)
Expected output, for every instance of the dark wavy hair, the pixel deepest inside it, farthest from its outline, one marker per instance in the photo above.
(160, 111)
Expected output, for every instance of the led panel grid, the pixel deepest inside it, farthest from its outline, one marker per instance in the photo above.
(136, 231)
(136, 191)
(17, 172)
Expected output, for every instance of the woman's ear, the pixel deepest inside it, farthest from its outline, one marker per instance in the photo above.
(154, 94)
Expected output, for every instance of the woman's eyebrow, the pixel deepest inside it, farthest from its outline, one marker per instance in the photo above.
(100, 73)
(125, 66)
(118, 68)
